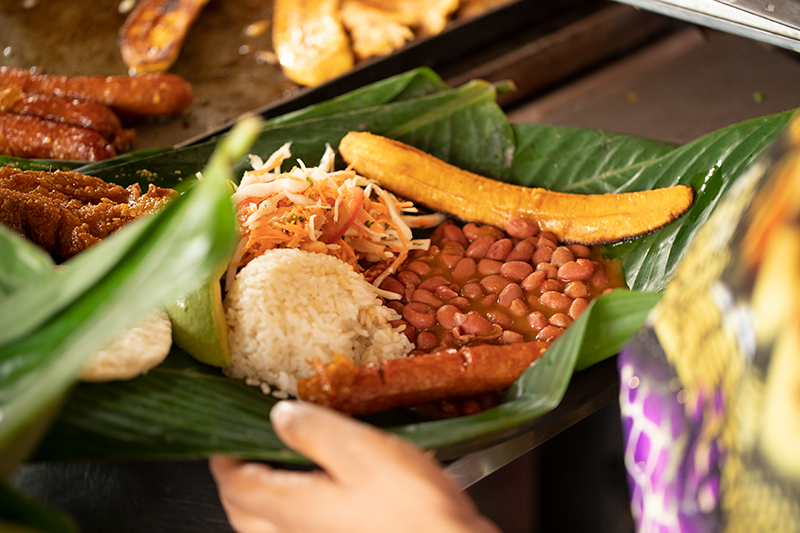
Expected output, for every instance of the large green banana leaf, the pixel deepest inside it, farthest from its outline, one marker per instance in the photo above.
(185, 409)
(20, 514)
(415, 106)
(21, 263)
(91, 298)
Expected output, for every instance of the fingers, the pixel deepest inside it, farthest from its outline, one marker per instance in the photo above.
(244, 521)
(223, 466)
(255, 487)
(406, 490)
(346, 448)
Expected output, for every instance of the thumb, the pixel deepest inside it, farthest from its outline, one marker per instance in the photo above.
(341, 445)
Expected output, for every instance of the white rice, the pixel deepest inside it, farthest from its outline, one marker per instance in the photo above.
(287, 306)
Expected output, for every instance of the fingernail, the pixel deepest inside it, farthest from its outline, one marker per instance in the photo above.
(283, 414)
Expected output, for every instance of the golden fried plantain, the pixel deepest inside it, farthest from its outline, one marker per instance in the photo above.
(474, 8)
(573, 218)
(310, 41)
(152, 36)
(373, 33)
(379, 27)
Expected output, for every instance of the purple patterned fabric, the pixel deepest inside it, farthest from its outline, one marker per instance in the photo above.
(673, 474)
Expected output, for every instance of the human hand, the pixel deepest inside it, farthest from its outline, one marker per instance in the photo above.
(369, 481)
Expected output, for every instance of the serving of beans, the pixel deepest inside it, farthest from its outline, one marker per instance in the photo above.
(478, 285)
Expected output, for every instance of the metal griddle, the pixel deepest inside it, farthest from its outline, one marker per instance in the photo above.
(225, 65)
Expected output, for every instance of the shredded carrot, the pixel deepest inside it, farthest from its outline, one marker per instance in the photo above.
(301, 204)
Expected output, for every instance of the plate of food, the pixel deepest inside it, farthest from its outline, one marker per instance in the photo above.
(460, 142)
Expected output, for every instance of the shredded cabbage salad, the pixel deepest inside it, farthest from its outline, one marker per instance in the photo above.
(318, 209)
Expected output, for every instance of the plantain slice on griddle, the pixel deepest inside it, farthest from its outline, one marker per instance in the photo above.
(153, 34)
(310, 41)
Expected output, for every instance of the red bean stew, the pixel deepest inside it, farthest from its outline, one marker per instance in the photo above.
(478, 285)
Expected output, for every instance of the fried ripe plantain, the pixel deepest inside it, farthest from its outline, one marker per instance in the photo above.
(310, 41)
(379, 27)
(475, 8)
(152, 36)
(573, 218)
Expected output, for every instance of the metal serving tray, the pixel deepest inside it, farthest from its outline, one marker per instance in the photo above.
(224, 62)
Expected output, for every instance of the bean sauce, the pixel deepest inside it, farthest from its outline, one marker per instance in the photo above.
(479, 285)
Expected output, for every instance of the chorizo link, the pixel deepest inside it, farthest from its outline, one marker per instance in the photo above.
(90, 115)
(451, 373)
(31, 137)
(149, 94)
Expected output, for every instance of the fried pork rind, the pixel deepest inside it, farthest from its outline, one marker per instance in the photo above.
(402, 382)
(67, 212)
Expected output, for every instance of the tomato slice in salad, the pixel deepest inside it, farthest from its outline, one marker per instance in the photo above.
(348, 211)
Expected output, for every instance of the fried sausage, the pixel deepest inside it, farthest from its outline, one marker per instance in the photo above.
(90, 115)
(149, 94)
(31, 137)
(82, 113)
(452, 373)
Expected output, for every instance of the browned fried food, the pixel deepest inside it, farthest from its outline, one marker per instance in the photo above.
(32, 137)
(152, 36)
(66, 212)
(373, 33)
(149, 94)
(379, 27)
(474, 8)
(84, 114)
(572, 218)
(71, 111)
(309, 40)
(451, 373)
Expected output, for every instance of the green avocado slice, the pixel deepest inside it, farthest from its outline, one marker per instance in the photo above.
(198, 323)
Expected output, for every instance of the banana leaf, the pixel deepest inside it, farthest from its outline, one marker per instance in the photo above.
(21, 263)
(585, 161)
(48, 165)
(185, 409)
(144, 264)
(18, 513)
(436, 122)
